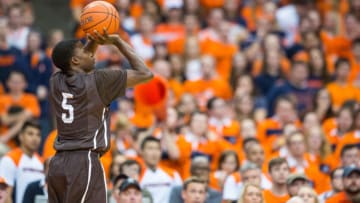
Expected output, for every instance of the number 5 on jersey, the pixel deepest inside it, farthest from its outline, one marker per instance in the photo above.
(69, 117)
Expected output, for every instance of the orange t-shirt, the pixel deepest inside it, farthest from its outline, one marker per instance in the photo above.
(209, 4)
(355, 70)
(339, 198)
(169, 32)
(270, 197)
(258, 64)
(26, 101)
(49, 150)
(341, 93)
(223, 53)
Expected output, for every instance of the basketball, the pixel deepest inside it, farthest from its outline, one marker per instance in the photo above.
(98, 15)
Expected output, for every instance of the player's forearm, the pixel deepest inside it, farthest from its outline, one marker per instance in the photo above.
(134, 59)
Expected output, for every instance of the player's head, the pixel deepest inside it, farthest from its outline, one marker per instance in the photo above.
(151, 151)
(3, 190)
(194, 190)
(279, 170)
(70, 54)
(30, 136)
(130, 192)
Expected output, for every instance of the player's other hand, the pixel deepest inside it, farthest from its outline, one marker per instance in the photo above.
(104, 38)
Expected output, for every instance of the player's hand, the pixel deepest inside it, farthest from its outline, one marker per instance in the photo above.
(105, 38)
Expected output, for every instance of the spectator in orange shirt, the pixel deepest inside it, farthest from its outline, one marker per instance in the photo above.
(352, 137)
(173, 27)
(220, 120)
(255, 154)
(228, 164)
(202, 140)
(351, 181)
(322, 105)
(336, 184)
(279, 171)
(143, 41)
(340, 90)
(16, 107)
(271, 129)
(344, 122)
(318, 147)
(210, 85)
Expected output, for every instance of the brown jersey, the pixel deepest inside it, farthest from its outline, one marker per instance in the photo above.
(80, 103)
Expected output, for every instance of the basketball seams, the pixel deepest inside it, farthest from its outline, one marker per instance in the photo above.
(109, 10)
(87, 29)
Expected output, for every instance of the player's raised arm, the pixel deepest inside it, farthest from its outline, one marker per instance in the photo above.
(140, 72)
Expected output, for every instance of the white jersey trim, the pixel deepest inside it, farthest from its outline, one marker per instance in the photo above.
(89, 178)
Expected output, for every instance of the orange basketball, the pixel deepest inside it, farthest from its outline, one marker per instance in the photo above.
(98, 15)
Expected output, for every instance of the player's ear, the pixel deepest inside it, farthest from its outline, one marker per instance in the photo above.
(75, 60)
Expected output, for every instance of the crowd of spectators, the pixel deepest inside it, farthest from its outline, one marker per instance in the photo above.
(259, 102)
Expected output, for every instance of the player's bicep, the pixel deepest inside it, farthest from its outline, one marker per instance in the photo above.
(135, 77)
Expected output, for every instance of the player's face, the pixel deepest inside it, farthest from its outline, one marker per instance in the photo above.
(30, 138)
(252, 195)
(352, 183)
(3, 193)
(152, 153)
(131, 195)
(279, 173)
(84, 59)
(194, 193)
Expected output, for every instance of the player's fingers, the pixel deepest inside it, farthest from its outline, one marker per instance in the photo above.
(106, 34)
(99, 37)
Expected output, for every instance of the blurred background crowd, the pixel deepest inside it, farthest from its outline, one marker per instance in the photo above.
(249, 95)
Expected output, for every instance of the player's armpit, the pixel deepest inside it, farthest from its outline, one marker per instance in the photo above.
(135, 77)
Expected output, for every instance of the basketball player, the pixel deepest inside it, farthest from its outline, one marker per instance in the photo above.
(80, 97)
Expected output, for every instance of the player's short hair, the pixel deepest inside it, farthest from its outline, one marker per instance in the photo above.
(31, 123)
(194, 180)
(346, 148)
(62, 53)
(149, 139)
(276, 162)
